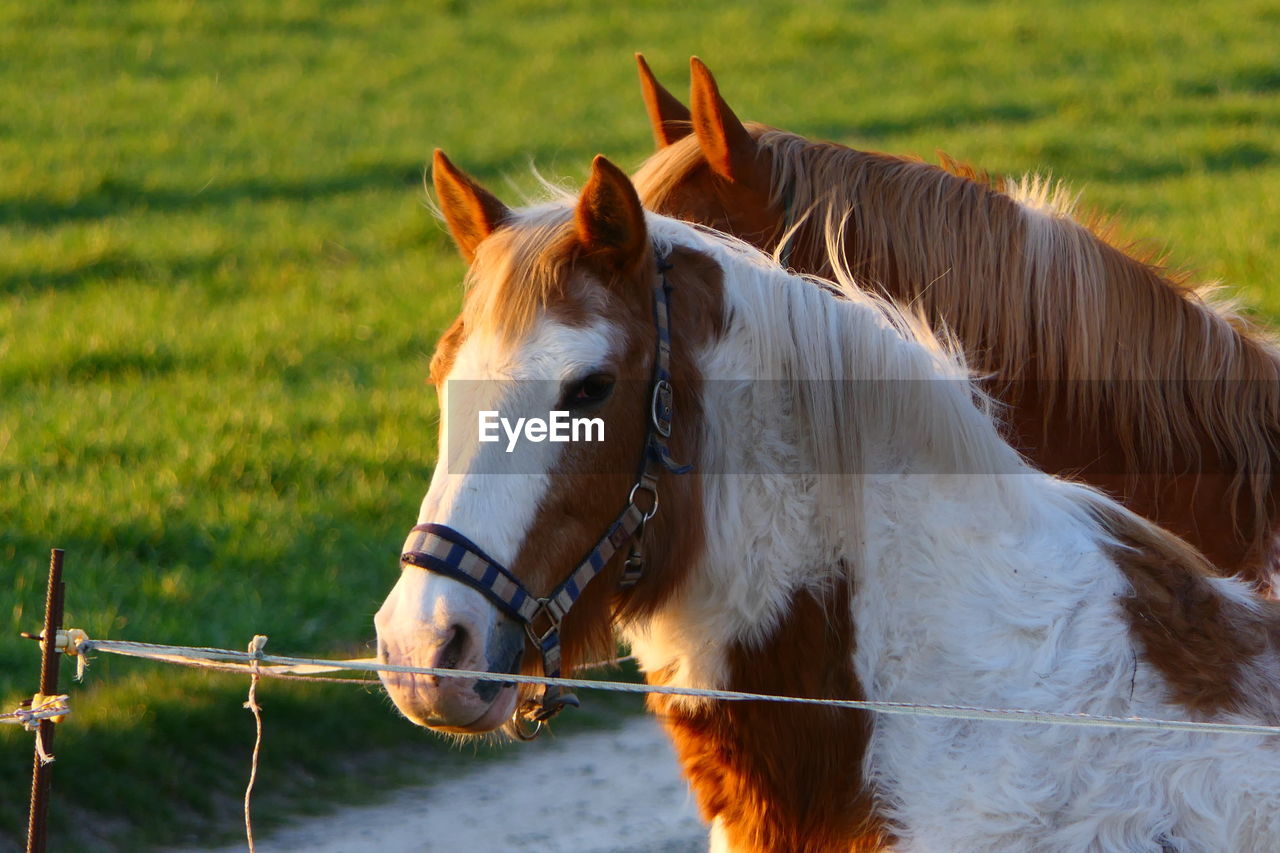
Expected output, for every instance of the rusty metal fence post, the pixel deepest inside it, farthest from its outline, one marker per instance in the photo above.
(42, 772)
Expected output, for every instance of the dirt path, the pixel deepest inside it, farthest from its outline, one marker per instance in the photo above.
(618, 791)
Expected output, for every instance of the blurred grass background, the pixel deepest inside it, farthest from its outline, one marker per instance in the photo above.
(219, 289)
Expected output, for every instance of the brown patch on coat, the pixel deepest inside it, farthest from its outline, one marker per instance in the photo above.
(1208, 648)
(785, 778)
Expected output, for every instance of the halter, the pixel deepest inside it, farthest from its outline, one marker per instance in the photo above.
(443, 550)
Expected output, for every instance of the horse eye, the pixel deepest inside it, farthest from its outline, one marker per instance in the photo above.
(587, 391)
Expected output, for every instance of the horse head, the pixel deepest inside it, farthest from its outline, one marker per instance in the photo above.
(522, 546)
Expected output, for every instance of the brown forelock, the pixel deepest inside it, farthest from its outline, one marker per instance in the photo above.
(1081, 343)
(591, 482)
(1207, 648)
(785, 778)
(508, 284)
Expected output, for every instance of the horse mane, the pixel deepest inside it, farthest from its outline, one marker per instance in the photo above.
(1077, 303)
(861, 372)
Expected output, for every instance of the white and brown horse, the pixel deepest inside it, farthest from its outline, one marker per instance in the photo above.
(1114, 369)
(855, 527)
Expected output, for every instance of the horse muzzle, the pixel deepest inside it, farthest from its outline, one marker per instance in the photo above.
(440, 637)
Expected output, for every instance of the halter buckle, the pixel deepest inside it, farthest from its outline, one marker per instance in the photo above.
(633, 569)
(660, 407)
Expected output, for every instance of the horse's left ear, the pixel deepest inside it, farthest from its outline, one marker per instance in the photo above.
(726, 144)
(609, 217)
(669, 118)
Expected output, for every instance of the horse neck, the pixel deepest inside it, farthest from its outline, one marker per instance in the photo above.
(811, 393)
(815, 397)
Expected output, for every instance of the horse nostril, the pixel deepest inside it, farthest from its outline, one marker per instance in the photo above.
(453, 650)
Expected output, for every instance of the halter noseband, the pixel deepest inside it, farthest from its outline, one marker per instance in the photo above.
(443, 550)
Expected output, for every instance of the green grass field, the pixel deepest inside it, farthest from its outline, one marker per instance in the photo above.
(219, 289)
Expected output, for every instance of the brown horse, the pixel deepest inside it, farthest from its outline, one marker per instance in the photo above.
(1113, 369)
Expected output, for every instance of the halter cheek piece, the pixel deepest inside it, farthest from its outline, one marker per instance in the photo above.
(445, 551)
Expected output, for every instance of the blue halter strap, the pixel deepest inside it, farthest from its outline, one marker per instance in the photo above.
(445, 551)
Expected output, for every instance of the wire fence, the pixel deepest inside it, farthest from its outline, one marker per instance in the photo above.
(256, 664)
(279, 666)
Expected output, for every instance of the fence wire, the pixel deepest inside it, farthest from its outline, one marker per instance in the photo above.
(279, 666)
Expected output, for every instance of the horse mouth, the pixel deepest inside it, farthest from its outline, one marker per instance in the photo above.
(491, 718)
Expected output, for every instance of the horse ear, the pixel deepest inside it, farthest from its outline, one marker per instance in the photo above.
(667, 116)
(726, 144)
(471, 212)
(609, 217)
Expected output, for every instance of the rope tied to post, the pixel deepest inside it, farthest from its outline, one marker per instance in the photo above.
(29, 715)
(255, 652)
(68, 642)
(37, 708)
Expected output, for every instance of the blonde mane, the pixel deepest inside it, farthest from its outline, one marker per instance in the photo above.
(1034, 293)
(862, 372)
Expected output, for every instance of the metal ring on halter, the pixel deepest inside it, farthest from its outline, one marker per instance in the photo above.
(653, 510)
(518, 727)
